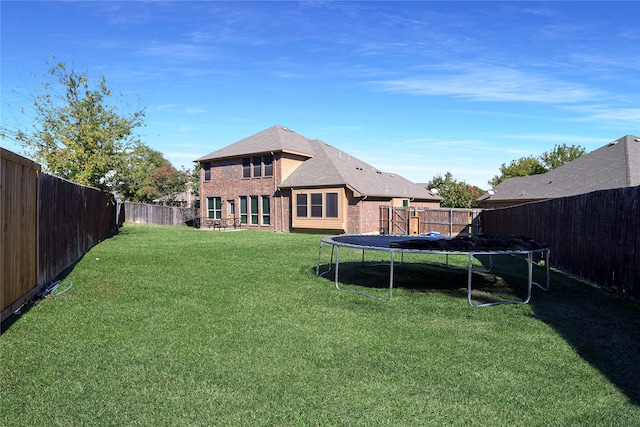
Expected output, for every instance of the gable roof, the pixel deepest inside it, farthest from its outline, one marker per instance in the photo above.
(614, 165)
(275, 139)
(333, 167)
(325, 165)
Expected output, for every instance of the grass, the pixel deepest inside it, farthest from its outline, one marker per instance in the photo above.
(176, 326)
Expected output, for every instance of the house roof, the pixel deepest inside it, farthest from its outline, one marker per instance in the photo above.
(614, 165)
(331, 166)
(275, 139)
(326, 166)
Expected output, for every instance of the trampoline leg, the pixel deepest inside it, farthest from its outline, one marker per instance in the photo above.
(330, 261)
(391, 274)
(469, 277)
(546, 261)
(337, 282)
(337, 267)
(529, 284)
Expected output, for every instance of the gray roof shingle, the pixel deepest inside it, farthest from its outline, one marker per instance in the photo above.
(331, 166)
(325, 166)
(614, 165)
(275, 139)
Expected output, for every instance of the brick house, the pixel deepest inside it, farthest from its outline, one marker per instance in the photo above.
(281, 181)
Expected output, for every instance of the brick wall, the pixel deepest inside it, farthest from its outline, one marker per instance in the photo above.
(227, 182)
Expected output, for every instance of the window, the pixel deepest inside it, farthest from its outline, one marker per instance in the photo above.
(243, 209)
(266, 211)
(324, 205)
(256, 167)
(405, 203)
(332, 205)
(246, 168)
(268, 165)
(214, 207)
(301, 205)
(207, 171)
(232, 208)
(254, 210)
(316, 205)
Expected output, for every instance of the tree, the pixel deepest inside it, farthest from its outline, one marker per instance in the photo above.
(76, 134)
(144, 175)
(524, 166)
(132, 179)
(168, 180)
(456, 194)
(560, 155)
(548, 160)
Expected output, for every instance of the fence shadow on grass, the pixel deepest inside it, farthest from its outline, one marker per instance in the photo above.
(603, 328)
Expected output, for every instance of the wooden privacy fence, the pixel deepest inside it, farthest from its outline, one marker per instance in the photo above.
(158, 214)
(19, 236)
(48, 224)
(594, 236)
(72, 219)
(415, 221)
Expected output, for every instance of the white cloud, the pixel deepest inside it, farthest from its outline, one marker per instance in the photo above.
(616, 114)
(177, 52)
(195, 110)
(486, 83)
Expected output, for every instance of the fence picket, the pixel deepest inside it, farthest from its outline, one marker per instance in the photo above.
(594, 236)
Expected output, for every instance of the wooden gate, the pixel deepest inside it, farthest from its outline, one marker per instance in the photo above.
(404, 221)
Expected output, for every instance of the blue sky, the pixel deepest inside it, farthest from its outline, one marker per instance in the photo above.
(415, 88)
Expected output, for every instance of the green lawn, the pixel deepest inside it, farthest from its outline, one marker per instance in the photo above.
(177, 326)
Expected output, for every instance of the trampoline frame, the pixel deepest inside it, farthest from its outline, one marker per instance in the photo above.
(336, 245)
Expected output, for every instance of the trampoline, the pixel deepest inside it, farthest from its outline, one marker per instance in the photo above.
(470, 247)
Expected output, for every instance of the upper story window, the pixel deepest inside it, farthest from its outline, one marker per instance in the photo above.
(268, 165)
(207, 171)
(256, 167)
(246, 168)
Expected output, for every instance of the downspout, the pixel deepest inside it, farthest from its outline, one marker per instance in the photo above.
(291, 211)
(275, 188)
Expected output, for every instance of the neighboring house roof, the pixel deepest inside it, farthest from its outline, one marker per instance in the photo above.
(326, 166)
(615, 165)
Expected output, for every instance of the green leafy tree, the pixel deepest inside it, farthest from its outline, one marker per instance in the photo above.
(76, 134)
(530, 165)
(145, 175)
(193, 177)
(524, 166)
(133, 177)
(456, 194)
(560, 155)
